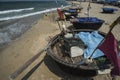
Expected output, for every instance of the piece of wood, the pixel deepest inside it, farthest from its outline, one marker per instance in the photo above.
(25, 65)
(30, 61)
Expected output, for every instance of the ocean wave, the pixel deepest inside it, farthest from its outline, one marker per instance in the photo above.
(30, 14)
(15, 10)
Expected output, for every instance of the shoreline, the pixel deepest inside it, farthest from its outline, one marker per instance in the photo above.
(7, 26)
(11, 30)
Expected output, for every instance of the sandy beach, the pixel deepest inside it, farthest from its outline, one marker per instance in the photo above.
(36, 38)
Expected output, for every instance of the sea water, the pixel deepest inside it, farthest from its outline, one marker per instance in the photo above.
(16, 17)
(14, 10)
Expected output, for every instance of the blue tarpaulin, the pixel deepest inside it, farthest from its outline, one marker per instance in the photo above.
(91, 40)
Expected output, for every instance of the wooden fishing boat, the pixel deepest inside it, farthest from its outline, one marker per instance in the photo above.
(77, 9)
(87, 23)
(70, 14)
(59, 50)
(109, 10)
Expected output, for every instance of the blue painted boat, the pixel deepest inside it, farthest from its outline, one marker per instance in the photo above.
(87, 23)
(72, 12)
(109, 10)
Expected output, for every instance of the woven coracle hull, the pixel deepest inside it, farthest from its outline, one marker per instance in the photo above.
(94, 26)
(70, 65)
(107, 10)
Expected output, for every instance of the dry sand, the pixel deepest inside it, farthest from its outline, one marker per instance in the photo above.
(30, 43)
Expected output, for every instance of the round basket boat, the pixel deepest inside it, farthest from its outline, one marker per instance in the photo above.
(109, 10)
(59, 48)
(87, 23)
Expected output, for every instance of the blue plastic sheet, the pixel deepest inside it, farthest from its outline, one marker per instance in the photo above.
(72, 10)
(91, 40)
(89, 19)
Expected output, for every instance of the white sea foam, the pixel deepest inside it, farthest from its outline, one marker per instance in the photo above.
(30, 14)
(15, 10)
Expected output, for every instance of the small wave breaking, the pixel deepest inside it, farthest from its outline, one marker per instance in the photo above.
(15, 10)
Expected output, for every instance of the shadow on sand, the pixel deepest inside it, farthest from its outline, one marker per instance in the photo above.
(56, 69)
(53, 67)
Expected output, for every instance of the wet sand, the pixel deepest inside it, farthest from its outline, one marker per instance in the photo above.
(31, 42)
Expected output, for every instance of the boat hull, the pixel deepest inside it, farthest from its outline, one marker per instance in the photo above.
(84, 23)
(71, 68)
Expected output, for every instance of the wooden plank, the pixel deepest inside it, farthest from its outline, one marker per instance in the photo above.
(25, 65)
